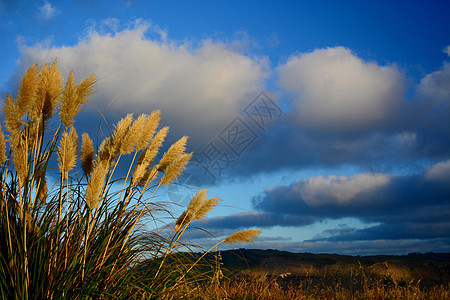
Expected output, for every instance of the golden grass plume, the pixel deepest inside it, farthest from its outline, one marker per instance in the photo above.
(48, 92)
(175, 168)
(148, 155)
(174, 151)
(207, 206)
(150, 124)
(68, 151)
(243, 236)
(95, 185)
(74, 97)
(87, 154)
(133, 135)
(121, 129)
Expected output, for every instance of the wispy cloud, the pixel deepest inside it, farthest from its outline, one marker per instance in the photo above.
(47, 11)
(447, 50)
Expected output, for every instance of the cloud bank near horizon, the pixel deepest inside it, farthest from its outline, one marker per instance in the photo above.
(409, 209)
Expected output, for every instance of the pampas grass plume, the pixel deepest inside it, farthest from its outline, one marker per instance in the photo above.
(95, 185)
(175, 168)
(207, 206)
(197, 201)
(133, 135)
(244, 236)
(174, 151)
(13, 118)
(20, 160)
(148, 176)
(150, 124)
(87, 154)
(105, 151)
(48, 92)
(120, 131)
(146, 158)
(27, 90)
(182, 220)
(74, 97)
(67, 151)
(197, 209)
(150, 153)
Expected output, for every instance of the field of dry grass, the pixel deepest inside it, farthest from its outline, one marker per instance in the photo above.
(256, 288)
(263, 274)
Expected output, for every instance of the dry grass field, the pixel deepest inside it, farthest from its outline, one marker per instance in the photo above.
(271, 274)
(272, 289)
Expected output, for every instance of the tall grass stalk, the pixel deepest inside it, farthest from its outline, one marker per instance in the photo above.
(81, 238)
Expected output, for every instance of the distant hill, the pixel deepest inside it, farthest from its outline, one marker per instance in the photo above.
(427, 269)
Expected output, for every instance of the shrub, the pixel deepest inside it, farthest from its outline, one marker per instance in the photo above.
(86, 237)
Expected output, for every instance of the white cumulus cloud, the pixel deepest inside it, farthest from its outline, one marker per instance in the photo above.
(439, 172)
(318, 191)
(338, 91)
(436, 85)
(199, 89)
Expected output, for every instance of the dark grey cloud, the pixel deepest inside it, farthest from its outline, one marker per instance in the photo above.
(365, 247)
(401, 231)
(400, 206)
(259, 219)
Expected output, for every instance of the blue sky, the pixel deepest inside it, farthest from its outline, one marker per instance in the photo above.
(323, 123)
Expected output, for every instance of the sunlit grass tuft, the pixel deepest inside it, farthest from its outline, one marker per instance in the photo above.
(95, 234)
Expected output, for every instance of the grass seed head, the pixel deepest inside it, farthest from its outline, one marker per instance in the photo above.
(207, 206)
(43, 191)
(121, 129)
(175, 168)
(133, 135)
(87, 154)
(174, 151)
(20, 160)
(150, 125)
(27, 90)
(197, 201)
(149, 175)
(95, 185)
(147, 157)
(105, 151)
(152, 150)
(244, 236)
(68, 151)
(74, 97)
(13, 116)
(183, 220)
(48, 92)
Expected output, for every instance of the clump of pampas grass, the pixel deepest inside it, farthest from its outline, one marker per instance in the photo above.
(85, 237)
